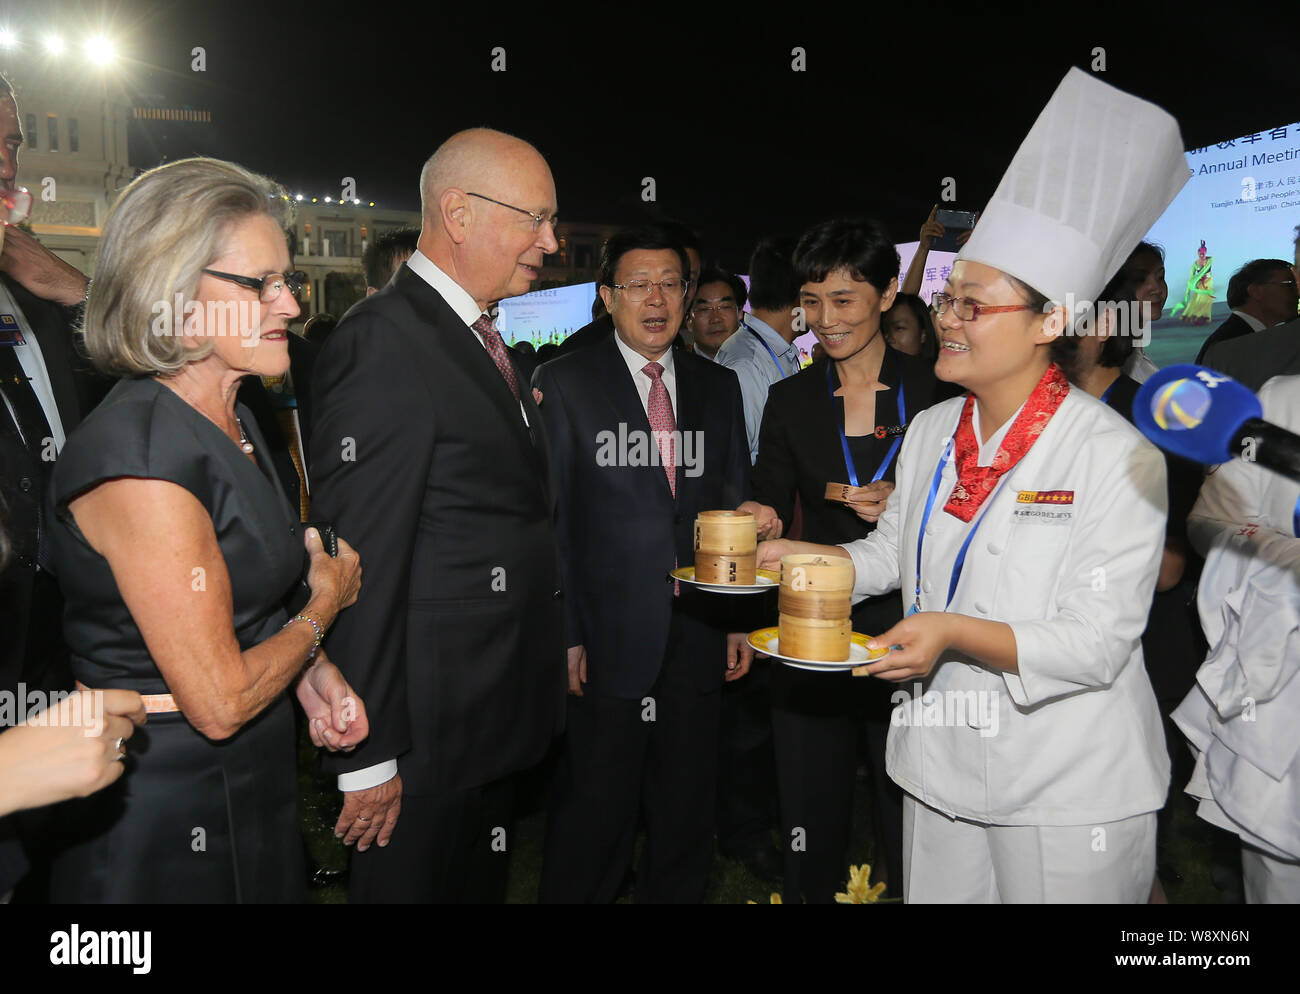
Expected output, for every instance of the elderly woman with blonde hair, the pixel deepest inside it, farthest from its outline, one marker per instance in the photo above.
(176, 549)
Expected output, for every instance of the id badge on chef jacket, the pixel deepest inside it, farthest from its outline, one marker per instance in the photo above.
(1044, 507)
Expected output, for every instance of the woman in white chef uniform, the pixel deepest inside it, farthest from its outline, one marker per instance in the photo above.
(1243, 716)
(1026, 533)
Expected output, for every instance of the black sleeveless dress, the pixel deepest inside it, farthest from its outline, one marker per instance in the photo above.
(192, 820)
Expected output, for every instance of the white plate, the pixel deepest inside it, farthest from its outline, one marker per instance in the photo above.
(765, 640)
(767, 580)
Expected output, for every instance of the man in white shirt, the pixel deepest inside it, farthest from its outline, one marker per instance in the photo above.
(762, 351)
(1261, 293)
(715, 312)
(429, 456)
(41, 399)
(646, 436)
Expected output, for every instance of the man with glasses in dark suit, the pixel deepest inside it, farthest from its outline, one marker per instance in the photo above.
(429, 455)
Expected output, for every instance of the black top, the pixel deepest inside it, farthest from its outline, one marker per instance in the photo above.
(799, 452)
(1182, 478)
(1172, 644)
(144, 429)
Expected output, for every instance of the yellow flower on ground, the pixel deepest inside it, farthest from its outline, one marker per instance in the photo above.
(859, 889)
(774, 899)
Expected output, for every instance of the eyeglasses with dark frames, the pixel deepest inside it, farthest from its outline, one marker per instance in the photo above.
(969, 310)
(639, 290)
(268, 288)
(538, 219)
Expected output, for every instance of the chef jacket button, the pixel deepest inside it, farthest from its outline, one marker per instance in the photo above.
(25, 484)
(995, 549)
(927, 586)
(929, 529)
(981, 607)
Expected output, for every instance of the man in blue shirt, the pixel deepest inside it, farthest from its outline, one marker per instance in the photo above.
(762, 351)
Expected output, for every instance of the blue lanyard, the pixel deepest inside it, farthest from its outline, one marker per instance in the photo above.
(1295, 519)
(844, 442)
(1105, 396)
(762, 341)
(925, 520)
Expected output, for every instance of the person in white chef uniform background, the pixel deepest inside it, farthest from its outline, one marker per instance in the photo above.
(1043, 514)
(1243, 716)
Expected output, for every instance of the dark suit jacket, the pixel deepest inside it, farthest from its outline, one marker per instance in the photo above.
(1231, 329)
(1257, 359)
(23, 475)
(621, 528)
(26, 620)
(255, 396)
(421, 459)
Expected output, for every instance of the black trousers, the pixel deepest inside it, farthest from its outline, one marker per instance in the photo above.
(450, 848)
(747, 807)
(816, 721)
(615, 763)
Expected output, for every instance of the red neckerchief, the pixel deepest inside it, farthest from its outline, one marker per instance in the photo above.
(975, 482)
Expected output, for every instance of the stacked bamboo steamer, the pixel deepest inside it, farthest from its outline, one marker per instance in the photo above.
(726, 547)
(816, 603)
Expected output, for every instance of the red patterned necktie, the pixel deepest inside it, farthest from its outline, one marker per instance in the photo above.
(662, 422)
(663, 425)
(975, 482)
(497, 350)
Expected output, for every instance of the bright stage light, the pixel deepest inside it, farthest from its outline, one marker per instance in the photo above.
(299, 197)
(7, 38)
(54, 44)
(328, 200)
(100, 50)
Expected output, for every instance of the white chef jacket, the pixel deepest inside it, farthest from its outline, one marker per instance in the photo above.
(1078, 738)
(1243, 715)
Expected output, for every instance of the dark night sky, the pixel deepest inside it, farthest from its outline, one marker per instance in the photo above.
(738, 144)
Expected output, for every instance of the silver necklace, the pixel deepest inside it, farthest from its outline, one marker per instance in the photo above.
(244, 443)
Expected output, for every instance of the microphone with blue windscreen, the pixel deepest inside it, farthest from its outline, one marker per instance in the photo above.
(1210, 418)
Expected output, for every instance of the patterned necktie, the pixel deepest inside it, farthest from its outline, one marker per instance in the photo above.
(662, 422)
(497, 350)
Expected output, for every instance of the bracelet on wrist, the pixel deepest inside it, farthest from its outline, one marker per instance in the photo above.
(317, 627)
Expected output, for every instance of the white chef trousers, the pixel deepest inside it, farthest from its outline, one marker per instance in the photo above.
(1268, 879)
(954, 861)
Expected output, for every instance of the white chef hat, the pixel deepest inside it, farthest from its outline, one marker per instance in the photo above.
(1096, 170)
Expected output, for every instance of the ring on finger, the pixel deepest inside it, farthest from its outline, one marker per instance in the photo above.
(360, 818)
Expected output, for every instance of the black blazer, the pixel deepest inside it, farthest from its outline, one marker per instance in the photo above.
(23, 475)
(1232, 328)
(799, 450)
(1255, 360)
(620, 527)
(420, 458)
(254, 396)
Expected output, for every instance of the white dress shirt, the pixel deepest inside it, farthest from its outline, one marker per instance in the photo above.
(457, 297)
(636, 364)
(33, 364)
(467, 309)
(1255, 323)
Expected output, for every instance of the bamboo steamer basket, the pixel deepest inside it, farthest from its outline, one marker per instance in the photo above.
(816, 601)
(726, 547)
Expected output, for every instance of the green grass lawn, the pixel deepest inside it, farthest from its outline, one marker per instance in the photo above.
(1187, 848)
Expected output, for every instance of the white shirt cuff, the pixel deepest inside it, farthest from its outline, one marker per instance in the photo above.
(371, 776)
